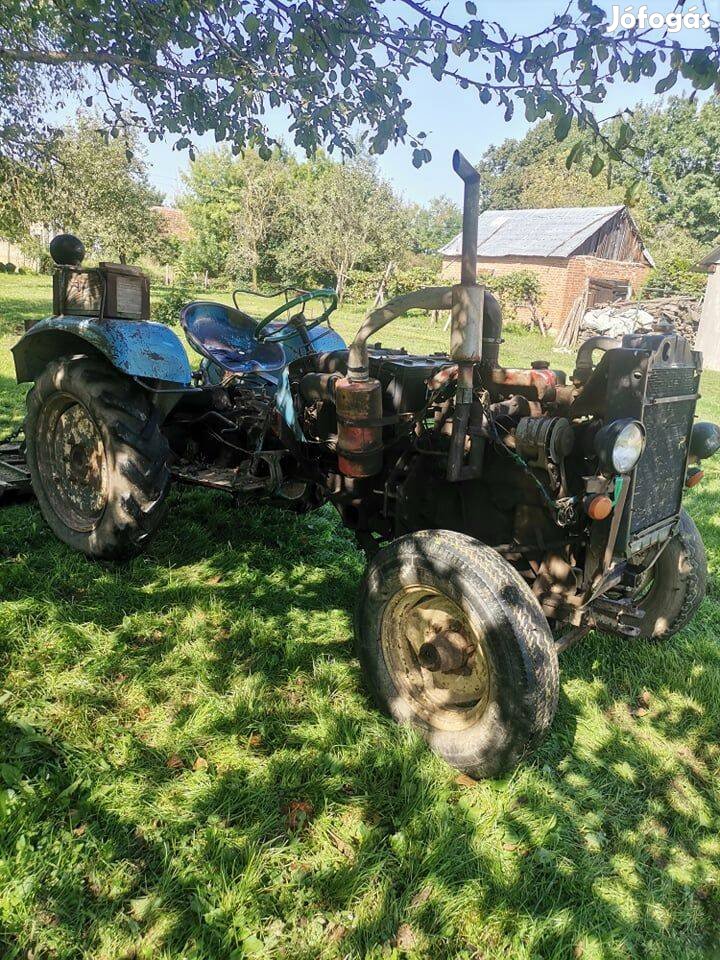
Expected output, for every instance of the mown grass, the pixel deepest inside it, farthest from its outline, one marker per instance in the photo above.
(189, 767)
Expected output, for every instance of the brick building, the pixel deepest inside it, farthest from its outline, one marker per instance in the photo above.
(595, 251)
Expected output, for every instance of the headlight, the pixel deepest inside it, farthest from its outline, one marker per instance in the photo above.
(619, 445)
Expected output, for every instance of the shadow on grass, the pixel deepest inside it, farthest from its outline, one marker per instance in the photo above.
(192, 769)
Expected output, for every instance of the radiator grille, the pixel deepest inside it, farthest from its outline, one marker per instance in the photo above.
(660, 475)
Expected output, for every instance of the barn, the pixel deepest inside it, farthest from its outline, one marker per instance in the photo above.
(595, 252)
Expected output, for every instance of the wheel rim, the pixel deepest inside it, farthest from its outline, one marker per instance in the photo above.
(436, 658)
(72, 462)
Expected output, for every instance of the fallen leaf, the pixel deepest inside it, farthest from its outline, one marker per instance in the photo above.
(509, 847)
(298, 814)
(216, 579)
(578, 950)
(405, 938)
(175, 762)
(345, 848)
(702, 893)
(336, 932)
(157, 635)
(120, 677)
(422, 897)
(79, 831)
(143, 713)
(644, 698)
(200, 764)
(640, 712)
(255, 740)
(465, 781)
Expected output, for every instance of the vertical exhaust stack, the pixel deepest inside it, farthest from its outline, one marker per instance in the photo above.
(466, 330)
(471, 211)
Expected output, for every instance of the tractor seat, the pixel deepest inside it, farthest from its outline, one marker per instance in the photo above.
(227, 337)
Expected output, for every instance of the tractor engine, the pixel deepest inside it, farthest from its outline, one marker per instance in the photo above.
(569, 478)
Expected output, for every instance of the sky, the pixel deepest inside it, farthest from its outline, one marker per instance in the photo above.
(452, 118)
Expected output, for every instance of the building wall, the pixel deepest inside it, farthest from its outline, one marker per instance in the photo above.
(581, 269)
(550, 271)
(561, 279)
(11, 253)
(708, 335)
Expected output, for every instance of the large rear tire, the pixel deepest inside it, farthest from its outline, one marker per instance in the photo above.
(97, 458)
(452, 642)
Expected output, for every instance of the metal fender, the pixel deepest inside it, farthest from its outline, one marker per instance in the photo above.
(137, 348)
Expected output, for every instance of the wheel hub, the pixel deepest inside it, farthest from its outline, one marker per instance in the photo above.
(448, 652)
(72, 462)
(436, 657)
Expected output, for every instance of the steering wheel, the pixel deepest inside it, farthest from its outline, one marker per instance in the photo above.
(303, 297)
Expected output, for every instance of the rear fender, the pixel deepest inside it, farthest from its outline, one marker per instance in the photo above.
(137, 348)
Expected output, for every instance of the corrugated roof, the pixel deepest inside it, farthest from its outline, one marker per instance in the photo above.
(553, 232)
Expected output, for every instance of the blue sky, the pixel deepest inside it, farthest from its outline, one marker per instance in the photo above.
(451, 117)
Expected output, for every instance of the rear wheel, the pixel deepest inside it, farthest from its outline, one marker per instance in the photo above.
(97, 457)
(453, 642)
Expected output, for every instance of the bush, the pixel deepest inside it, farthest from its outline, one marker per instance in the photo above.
(674, 276)
(167, 309)
(413, 278)
(2, 268)
(10, 268)
(362, 285)
(521, 288)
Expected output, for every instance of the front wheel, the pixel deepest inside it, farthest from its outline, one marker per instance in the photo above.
(675, 586)
(452, 642)
(97, 457)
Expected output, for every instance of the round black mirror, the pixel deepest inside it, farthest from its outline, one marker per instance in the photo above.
(67, 250)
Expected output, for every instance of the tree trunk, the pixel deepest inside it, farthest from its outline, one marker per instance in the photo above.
(254, 277)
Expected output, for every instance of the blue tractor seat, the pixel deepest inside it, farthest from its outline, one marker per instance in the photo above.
(227, 337)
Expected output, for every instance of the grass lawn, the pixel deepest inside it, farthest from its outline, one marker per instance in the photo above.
(189, 767)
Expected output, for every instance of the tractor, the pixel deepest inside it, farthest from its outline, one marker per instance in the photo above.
(505, 513)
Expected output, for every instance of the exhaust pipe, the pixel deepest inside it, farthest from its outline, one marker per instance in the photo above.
(471, 211)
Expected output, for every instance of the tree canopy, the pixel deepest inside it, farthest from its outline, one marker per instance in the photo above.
(102, 193)
(677, 203)
(172, 67)
(308, 222)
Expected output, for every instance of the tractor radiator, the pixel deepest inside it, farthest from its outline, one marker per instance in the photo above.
(665, 378)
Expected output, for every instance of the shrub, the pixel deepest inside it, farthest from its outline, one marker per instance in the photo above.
(362, 285)
(521, 288)
(412, 278)
(2, 268)
(167, 308)
(674, 276)
(10, 268)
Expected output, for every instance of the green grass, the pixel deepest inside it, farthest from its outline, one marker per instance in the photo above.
(161, 721)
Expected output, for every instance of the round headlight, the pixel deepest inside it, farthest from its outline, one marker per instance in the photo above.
(619, 445)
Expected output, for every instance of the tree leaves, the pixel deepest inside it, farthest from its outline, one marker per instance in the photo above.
(596, 166)
(193, 69)
(562, 126)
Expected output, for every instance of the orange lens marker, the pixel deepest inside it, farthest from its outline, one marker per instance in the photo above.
(598, 508)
